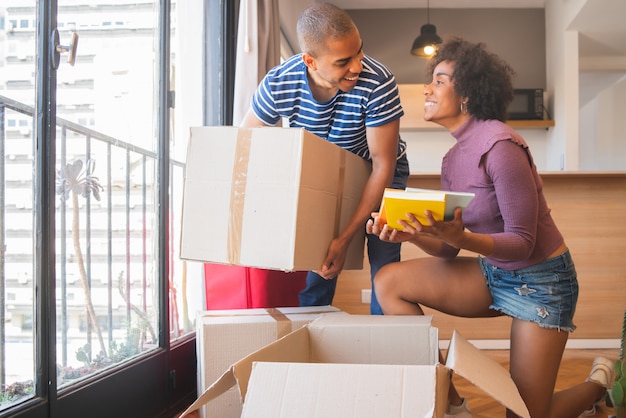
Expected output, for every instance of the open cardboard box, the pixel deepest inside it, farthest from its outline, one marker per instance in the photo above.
(225, 336)
(360, 365)
(269, 197)
(336, 338)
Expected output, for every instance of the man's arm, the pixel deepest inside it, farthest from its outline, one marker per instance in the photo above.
(383, 145)
(250, 120)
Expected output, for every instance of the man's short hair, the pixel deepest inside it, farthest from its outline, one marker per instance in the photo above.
(319, 22)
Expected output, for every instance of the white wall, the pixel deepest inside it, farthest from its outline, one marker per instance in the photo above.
(561, 74)
(602, 138)
(588, 108)
(426, 148)
(517, 35)
(586, 98)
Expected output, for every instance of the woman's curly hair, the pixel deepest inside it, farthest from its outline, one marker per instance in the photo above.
(481, 76)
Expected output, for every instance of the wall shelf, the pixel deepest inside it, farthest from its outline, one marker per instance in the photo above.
(408, 124)
(412, 98)
(531, 124)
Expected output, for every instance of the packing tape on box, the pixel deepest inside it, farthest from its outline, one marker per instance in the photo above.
(238, 194)
(283, 323)
(340, 186)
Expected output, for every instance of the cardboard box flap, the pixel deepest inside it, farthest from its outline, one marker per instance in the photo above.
(285, 319)
(347, 339)
(225, 336)
(221, 385)
(287, 311)
(485, 373)
(309, 390)
(380, 339)
(294, 349)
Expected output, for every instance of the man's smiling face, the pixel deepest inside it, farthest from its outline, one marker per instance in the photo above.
(339, 65)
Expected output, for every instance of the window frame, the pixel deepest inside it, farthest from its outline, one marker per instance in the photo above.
(161, 382)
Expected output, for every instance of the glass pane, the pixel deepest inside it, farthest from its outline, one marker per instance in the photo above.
(186, 286)
(17, 96)
(107, 234)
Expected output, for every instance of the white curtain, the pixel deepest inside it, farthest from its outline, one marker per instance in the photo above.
(258, 50)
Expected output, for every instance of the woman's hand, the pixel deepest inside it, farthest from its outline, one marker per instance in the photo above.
(386, 233)
(451, 232)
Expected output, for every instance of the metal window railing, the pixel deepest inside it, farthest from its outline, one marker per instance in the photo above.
(119, 236)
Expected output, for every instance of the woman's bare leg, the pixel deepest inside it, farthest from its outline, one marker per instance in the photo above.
(455, 287)
(536, 354)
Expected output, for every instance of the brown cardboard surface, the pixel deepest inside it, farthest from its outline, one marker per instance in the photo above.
(338, 338)
(485, 373)
(268, 197)
(332, 334)
(336, 389)
(340, 390)
(226, 336)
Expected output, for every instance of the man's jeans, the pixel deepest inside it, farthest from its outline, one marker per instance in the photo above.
(319, 291)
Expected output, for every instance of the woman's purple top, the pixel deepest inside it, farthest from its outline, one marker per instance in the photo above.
(493, 161)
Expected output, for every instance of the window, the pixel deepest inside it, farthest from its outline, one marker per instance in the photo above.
(104, 279)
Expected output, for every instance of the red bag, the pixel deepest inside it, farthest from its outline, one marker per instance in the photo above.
(235, 287)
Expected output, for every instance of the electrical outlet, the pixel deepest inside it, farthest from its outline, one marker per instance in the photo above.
(366, 296)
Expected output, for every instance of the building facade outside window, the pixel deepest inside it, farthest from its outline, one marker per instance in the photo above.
(115, 243)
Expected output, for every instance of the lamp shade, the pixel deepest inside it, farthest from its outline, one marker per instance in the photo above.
(426, 44)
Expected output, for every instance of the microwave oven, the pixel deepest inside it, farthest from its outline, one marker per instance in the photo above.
(527, 104)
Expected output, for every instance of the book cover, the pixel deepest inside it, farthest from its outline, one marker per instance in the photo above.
(453, 200)
(397, 203)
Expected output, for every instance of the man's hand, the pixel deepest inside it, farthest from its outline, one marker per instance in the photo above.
(335, 258)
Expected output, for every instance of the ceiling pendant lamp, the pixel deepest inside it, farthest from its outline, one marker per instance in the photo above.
(425, 45)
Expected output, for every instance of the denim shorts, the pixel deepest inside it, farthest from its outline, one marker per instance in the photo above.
(545, 293)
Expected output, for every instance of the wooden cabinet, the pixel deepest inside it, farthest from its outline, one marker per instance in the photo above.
(588, 209)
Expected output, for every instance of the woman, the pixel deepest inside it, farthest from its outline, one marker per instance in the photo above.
(523, 269)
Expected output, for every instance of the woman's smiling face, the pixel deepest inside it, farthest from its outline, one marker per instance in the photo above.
(443, 104)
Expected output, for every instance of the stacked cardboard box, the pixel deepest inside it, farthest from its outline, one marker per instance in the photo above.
(359, 365)
(226, 336)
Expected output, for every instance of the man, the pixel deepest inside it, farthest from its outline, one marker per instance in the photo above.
(335, 91)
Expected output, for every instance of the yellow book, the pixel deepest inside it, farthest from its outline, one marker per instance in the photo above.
(397, 203)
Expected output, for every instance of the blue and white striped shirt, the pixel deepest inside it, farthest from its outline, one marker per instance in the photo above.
(374, 101)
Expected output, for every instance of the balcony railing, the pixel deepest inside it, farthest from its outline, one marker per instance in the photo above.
(106, 244)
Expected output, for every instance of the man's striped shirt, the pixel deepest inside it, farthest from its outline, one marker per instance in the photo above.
(374, 101)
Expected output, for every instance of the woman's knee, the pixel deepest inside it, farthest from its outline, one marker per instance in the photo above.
(383, 284)
(384, 276)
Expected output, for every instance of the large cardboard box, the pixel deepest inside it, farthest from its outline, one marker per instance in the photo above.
(352, 338)
(360, 365)
(225, 336)
(268, 197)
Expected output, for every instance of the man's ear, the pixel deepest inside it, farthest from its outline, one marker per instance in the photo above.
(309, 61)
